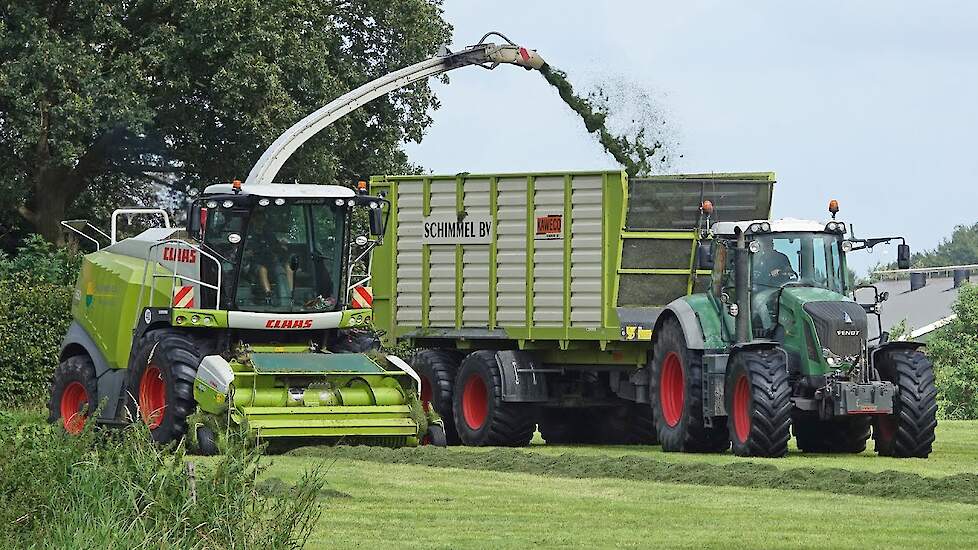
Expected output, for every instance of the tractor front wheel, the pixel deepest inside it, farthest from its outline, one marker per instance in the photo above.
(759, 403)
(909, 431)
(74, 393)
(676, 388)
(161, 383)
(482, 418)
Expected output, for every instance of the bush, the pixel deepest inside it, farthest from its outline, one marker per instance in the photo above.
(954, 351)
(33, 321)
(35, 311)
(117, 489)
(39, 261)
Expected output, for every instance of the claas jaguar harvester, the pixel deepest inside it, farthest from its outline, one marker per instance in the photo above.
(604, 309)
(248, 315)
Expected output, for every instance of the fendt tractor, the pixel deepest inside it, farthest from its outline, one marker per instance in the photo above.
(604, 309)
(248, 315)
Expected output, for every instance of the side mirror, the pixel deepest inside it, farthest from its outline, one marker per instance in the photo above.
(196, 219)
(704, 255)
(903, 256)
(376, 222)
(884, 296)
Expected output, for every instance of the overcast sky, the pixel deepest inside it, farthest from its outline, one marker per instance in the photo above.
(871, 103)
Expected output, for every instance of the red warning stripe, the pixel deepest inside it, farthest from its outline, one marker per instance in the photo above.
(363, 297)
(183, 297)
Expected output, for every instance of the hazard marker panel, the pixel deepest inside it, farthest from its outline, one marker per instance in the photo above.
(183, 296)
(363, 297)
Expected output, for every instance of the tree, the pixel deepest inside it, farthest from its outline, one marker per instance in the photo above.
(99, 98)
(954, 351)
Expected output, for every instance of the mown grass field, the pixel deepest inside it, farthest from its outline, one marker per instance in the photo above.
(592, 497)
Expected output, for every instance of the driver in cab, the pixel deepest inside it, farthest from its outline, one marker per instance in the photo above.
(772, 268)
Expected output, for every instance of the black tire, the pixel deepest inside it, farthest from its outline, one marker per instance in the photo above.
(483, 418)
(172, 356)
(206, 442)
(909, 431)
(677, 401)
(437, 369)
(76, 375)
(434, 436)
(759, 403)
(841, 435)
(566, 426)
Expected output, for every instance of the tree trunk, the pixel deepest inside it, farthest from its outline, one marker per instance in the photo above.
(55, 190)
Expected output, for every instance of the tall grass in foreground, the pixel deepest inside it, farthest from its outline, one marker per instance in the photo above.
(117, 489)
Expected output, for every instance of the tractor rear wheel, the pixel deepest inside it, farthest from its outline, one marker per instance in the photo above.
(909, 431)
(161, 383)
(437, 369)
(841, 435)
(676, 387)
(482, 417)
(759, 403)
(74, 393)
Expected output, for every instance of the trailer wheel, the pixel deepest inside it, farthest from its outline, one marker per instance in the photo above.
(676, 388)
(161, 382)
(909, 431)
(482, 417)
(437, 369)
(841, 435)
(759, 403)
(74, 393)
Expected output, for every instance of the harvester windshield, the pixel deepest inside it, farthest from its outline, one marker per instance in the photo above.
(289, 254)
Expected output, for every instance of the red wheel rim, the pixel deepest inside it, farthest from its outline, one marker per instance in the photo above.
(425, 393)
(73, 401)
(475, 402)
(741, 408)
(152, 397)
(672, 389)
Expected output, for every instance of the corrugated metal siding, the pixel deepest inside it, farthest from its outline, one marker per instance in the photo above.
(586, 217)
(511, 252)
(475, 259)
(548, 256)
(410, 204)
(441, 257)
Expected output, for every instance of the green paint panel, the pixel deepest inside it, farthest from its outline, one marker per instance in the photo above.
(319, 363)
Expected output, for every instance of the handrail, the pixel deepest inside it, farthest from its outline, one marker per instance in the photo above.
(175, 274)
(98, 246)
(117, 212)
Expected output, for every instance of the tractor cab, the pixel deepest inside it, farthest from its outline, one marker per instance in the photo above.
(281, 248)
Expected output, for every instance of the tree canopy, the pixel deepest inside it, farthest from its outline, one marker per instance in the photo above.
(99, 98)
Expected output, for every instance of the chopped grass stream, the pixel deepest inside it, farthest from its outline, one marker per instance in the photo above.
(961, 487)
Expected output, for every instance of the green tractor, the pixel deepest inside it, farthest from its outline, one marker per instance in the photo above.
(250, 316)
(778, 344)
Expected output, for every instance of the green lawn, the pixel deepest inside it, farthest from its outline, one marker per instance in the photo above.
(404, 505)
(491, 505)
(955, 451)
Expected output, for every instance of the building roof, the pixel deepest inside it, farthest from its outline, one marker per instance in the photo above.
(923, 308)
(285, 190)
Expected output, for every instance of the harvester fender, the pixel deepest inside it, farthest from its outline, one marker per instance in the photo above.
(212, 384)
(401, 364)
(523, 379)
(110, 381)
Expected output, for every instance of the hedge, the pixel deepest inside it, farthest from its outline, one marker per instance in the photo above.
(34, 317)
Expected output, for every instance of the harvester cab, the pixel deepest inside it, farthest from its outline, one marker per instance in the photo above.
(794, 349)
